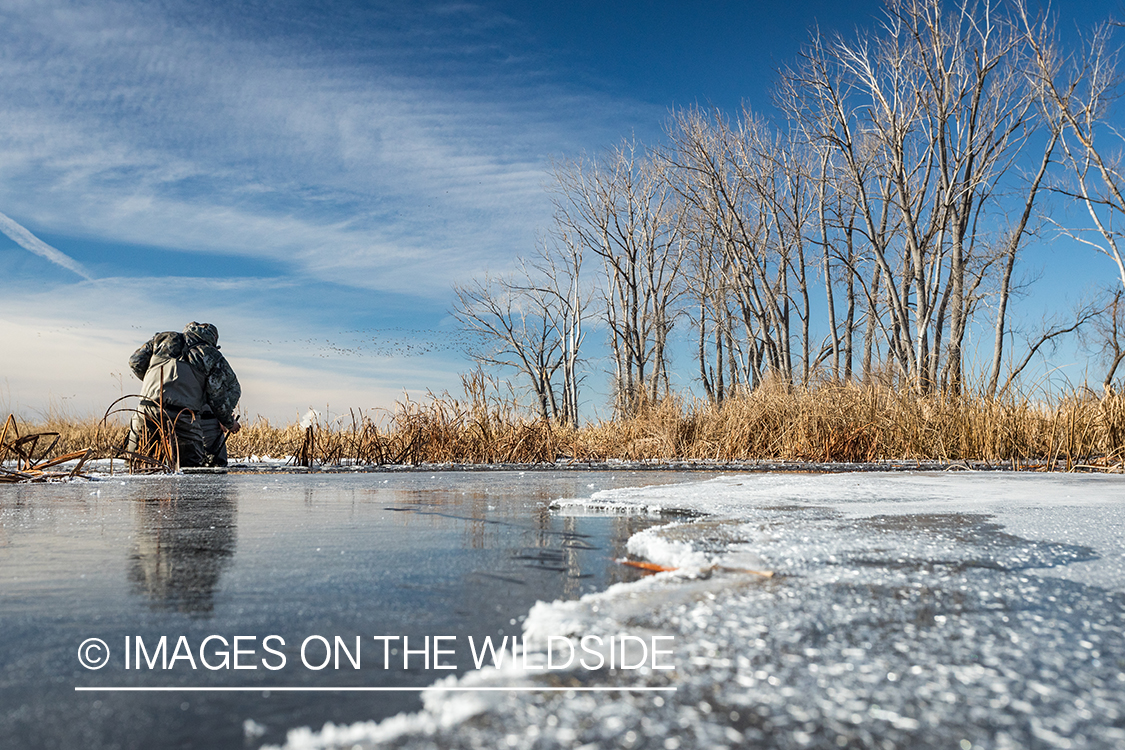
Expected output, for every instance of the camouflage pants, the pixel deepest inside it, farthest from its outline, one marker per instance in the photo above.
(214, 440)
(188, 433)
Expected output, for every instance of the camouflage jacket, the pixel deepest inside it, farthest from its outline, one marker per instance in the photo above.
(198, 346)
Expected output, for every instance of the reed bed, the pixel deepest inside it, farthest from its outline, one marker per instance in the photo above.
(74, 434)
(846, 423)
(825, 423)
(36, 456)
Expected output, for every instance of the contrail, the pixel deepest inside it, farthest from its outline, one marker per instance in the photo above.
(29, 241)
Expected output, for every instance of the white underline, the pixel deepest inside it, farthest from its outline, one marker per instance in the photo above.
(432, 688)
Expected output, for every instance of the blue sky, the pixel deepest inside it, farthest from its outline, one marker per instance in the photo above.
(312, 177)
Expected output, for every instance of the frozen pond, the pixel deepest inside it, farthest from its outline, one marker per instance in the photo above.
(920, 610)
(288, 555)
(972, 611)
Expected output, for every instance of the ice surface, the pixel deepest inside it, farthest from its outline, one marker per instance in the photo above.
(1086, 510)
(907, 610)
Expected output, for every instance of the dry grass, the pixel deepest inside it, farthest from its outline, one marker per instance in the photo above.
(850, 423)
(36, 456)
(826, 423)
(77, 434)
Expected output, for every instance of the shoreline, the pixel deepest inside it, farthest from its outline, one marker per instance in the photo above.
(98, 468)
(755, 466)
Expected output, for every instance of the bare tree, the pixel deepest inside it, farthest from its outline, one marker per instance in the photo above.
(1009, 259)
(557, 282)
(924, 121)
(707, 278)
(1111, 329)
(511, 331)
(531, 321)
(1050, 333)
(622, 209)
(906, 175)
(748, 191)
(1078, 91)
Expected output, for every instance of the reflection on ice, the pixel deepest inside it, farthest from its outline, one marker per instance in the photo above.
(181, 547)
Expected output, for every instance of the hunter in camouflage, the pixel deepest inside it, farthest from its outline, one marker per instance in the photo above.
(184, 375)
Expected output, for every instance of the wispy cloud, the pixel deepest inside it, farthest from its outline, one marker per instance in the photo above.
(351, 165)
(29, 241)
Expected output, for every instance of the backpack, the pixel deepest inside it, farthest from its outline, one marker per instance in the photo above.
(170, 378)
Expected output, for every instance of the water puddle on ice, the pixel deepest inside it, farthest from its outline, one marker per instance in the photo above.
(417, 554)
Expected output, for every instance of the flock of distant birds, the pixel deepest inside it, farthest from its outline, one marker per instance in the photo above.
(381, 342)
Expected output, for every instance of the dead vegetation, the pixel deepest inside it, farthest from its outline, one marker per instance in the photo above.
(30, 457)
(62, 439)
(156, 450)
(826, 423)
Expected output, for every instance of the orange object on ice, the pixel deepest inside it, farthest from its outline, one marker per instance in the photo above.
(645, 565)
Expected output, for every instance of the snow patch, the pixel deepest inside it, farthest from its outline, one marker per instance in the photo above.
(654, 546)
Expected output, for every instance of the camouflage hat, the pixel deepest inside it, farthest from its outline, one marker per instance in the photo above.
(205, 331)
